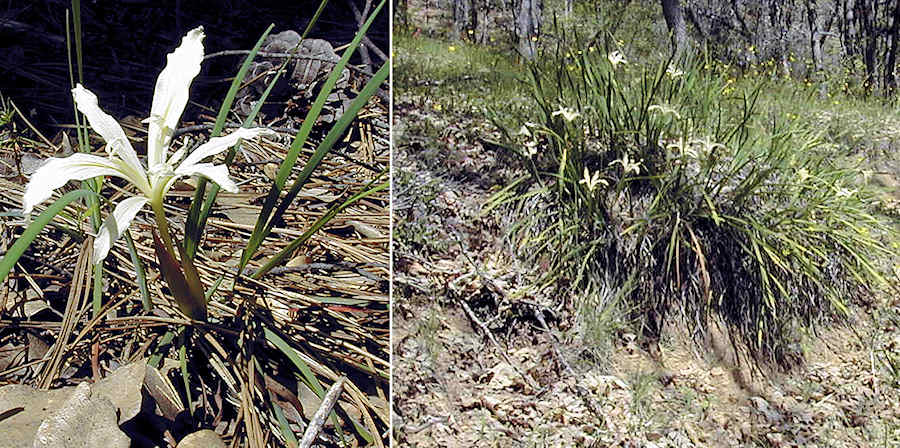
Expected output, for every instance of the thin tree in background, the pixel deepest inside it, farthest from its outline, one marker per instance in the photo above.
(780, 20)
(464, 18)
(674, 16)
(528, 26)
(865, 13)
(890, 79)
(402, 13)
(482, 17)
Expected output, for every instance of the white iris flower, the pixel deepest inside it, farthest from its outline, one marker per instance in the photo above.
(628, 166)
(153, 183)
(665, 109)
(615, 58)
(592, 181)
(674, 72)
(568, 113)
(532, 147)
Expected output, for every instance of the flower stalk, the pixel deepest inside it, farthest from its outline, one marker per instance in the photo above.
(162, 223)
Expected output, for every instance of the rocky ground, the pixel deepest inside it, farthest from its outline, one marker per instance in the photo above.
(480, 358)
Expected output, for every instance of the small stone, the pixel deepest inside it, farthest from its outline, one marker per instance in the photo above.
(666, 377)
(490, 402)
(205, 438)
(29, 406)
(271, 170)
(503, 376)
(857, 420)
(746, 431)
(299, 260)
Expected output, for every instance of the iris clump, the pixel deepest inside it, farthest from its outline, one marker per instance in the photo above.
(711, 217)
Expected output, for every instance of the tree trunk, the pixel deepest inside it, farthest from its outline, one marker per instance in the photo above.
(815, 43)
(483, 10)
(890, 80)
(401, 16)
(780, 22)
(674, 16)
(463, 18)
(528, 26)
(866, 16)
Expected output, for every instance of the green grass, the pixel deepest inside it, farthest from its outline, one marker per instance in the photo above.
(600, 314)
(457, 77)
(427, 331)
(644, 386)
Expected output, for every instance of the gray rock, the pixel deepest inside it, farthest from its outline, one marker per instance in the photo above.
(30, 407)
(281, 42)
(123, 389)
(84, 416)
(84, 420)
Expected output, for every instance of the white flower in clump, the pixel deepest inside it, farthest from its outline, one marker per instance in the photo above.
(695, 148)
(674, 72)
(524, 131)
(665, 109)
(708, 146)
(628, 166)
(567, 113)
(682, 147)
(531, 147)
(842, 192)
(154, 182)
(615, 58)
(592, 181)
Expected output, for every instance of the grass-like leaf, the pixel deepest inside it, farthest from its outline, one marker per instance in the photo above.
(31, 232)
(334, 134)
(266, 219)
(309, 377)
(278, 258)
(193, 227)
(140, 274)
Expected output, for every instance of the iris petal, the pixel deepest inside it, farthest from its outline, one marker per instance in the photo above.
(171, 93)
(215, 173)
(115, 225)
(106, 126)
(218, 144)
(58, 171)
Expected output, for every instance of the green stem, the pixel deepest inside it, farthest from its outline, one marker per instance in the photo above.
(160, 215)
